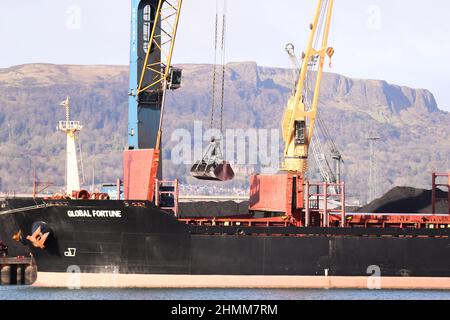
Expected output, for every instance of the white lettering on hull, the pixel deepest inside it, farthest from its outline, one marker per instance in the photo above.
(94, 213)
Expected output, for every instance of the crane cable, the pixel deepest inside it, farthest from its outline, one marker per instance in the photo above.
(213, 103)
(224, 29)
(326, 133)
(330, 140)
(330, 51)
(222, 39)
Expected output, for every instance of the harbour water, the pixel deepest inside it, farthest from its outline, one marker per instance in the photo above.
(35, 293)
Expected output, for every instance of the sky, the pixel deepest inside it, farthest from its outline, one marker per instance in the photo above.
(405, 42)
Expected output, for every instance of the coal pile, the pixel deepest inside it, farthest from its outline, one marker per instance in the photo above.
(407, 200)
(218, 209)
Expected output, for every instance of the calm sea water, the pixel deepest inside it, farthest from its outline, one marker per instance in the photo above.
(33, 293)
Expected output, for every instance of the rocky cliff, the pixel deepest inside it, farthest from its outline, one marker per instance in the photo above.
(414, 132)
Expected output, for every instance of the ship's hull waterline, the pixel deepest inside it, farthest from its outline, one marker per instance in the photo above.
(132, 242)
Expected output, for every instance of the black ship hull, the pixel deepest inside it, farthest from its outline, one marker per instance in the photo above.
(117, 236)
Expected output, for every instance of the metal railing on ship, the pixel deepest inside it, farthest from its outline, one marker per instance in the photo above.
(167, 189)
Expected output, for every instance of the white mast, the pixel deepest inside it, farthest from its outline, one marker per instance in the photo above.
(71, 128)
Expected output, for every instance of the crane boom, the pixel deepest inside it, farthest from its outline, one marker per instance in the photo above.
(299, 121)
(320, 154)
(153, 34)
(154, 25)
(166, 19)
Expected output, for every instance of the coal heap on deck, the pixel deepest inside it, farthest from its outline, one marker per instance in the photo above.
(407, 200)
(207, 209)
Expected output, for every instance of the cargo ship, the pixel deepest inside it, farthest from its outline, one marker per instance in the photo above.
(288, 229)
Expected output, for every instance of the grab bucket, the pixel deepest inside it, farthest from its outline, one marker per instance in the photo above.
(213, 171)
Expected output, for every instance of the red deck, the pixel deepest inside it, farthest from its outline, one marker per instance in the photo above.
(270, 193)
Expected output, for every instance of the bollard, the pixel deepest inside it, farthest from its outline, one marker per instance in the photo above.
(19, 274)
(30, 275)
(5, 275)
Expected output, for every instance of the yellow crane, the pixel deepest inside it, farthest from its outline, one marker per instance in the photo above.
(300, 115)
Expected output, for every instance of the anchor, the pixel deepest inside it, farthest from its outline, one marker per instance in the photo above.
(38, 238)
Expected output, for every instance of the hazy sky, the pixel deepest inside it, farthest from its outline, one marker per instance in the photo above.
(403, 42)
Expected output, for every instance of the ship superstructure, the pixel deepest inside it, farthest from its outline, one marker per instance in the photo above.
(71, 129)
